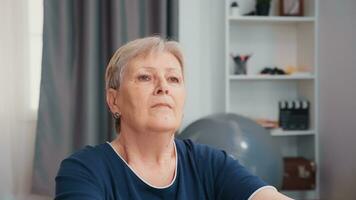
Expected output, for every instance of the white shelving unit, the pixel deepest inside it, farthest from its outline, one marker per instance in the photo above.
(270, 77)
(280, 132)
(275, 41)
(270, 19)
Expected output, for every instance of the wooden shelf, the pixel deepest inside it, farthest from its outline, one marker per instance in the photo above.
(280, 132)
(272, 77)
(271, 19)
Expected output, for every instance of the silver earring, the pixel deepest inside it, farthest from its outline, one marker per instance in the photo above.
(117, 115)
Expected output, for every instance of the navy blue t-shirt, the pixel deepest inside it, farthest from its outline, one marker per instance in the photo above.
(202, 173)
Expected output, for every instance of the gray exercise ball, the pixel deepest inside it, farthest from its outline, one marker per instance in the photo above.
(243, 139)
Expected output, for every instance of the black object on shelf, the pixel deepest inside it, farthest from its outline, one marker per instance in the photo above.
(263, 7)
(294, 114)
(272, 71)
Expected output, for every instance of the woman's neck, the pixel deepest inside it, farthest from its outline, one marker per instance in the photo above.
(149, 147)
(152, 156)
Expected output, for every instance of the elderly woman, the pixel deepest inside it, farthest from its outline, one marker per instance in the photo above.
(145, 92)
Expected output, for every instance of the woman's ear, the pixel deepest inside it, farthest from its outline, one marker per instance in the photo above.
(112, 100)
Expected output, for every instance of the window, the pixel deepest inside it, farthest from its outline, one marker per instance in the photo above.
(35, 16)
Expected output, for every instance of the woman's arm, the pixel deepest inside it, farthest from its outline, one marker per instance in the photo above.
(269, 194)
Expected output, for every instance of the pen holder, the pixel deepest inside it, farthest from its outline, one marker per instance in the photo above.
(240, 63)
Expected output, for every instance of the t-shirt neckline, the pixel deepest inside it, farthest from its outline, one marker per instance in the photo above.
(143, 180)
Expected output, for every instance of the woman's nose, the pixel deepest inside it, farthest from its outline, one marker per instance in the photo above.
(161, 88)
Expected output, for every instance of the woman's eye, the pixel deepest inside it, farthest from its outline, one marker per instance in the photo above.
(144, 77)
(174, 79)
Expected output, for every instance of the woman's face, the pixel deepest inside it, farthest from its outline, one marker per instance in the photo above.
(152, 93)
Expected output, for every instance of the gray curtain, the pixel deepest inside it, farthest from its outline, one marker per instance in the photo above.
(79, 37)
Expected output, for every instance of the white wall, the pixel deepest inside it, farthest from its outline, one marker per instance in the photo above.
(337, 61)
(201, 34)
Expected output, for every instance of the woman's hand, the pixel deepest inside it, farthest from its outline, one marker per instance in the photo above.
(269, 194)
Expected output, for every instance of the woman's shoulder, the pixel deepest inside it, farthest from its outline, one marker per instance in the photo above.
(204, 155)
(89, 159)
(89, 153)
(222, 171)
(192, 146)
(84, 172)
(200, 152)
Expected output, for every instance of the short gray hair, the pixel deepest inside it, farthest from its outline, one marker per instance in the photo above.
(133, 49)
